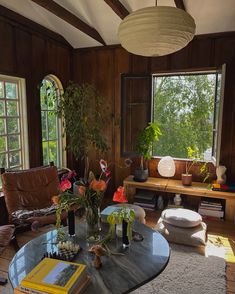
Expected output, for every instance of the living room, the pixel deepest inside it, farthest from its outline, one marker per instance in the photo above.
(37, 41)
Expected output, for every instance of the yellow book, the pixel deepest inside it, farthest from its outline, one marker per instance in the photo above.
(55, 277)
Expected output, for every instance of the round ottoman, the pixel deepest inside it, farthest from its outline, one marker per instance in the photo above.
(182, 226)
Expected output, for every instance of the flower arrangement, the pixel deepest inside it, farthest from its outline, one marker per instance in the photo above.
(90, 195)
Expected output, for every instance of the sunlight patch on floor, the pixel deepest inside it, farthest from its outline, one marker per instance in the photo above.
(220, 246)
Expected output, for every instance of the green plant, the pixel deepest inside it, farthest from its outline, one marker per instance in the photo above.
(115, 218)
(195, 156)
(85, 116)
(146, 140)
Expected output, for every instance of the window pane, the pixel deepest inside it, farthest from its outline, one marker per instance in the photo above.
(13, 142)
(184, 110)
(14, 158)
(2, 126)
(12, 125)
(2, 143)
(3, 160)
(1, 90)
(12, 108)
(52, 125)
(2, 108)
(44, 125)
(49, 120)
(52, 151)
(45, 152)
(11, 90)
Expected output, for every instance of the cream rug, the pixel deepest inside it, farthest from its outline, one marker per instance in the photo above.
(189, 272)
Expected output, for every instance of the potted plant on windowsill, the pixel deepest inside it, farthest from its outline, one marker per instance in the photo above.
(145, 142)
(194, 155)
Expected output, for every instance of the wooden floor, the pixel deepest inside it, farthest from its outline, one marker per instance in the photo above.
(221, 235)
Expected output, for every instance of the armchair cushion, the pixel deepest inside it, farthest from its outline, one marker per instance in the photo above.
(30, 189)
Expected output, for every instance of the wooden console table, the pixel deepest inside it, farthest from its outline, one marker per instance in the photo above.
(175, 186)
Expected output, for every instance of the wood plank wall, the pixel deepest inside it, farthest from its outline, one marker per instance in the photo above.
(103, 66)
(30, 51)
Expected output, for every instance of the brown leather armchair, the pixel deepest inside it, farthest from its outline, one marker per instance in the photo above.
(30, 190)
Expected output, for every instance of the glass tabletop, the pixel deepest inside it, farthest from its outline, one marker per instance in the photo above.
(140, 263)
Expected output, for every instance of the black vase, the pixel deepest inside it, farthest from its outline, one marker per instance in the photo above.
(71, 222)
(125, 240)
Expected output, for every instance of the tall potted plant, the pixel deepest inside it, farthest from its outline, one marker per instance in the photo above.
(145, 143)
(84, 113)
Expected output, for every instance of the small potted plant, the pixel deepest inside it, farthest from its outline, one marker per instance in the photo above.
(145, 142)
(194, 155)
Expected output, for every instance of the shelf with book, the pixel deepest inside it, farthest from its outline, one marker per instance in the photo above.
(175, 186)
(212, 208)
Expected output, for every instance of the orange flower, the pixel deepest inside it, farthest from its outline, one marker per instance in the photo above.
(55, 199)
(81, 190)
(98, 186)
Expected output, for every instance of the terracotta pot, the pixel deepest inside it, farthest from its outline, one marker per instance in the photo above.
(186, 179)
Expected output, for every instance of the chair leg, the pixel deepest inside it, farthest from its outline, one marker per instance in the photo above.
(15, 243)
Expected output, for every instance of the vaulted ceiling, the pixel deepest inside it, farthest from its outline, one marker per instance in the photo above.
(88, 23)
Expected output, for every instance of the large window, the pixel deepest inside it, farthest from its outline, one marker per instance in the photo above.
(186, 107)
(13, 123)
(52, 141)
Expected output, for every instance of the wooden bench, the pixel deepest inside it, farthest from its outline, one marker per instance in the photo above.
(175, 186)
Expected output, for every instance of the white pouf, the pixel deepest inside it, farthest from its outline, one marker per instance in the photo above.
(181, 217)
(183, 226)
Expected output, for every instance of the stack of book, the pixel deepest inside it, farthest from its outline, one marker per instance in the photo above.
(211, 208)
(146, 199)
(55, 276)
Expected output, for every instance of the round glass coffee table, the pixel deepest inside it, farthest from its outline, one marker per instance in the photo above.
(141, 262)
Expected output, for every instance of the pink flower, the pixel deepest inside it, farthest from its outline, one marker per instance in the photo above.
(103, 165)
(120, 195)
(65, 185)
(107, 173)
(70, 175)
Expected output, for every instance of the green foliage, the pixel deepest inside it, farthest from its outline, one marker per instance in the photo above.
(146, 141)
(184, 108)
(116, 217)
(49, 124)
(84, 113)
(195, 156)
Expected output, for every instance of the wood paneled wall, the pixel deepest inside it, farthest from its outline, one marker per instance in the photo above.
(103, 66)
(30, 51)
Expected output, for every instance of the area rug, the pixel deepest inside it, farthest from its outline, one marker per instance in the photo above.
(189, 272)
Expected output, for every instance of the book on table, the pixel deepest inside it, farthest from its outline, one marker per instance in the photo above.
(55, 277)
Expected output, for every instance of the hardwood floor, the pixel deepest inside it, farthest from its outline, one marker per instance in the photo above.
(221, 235)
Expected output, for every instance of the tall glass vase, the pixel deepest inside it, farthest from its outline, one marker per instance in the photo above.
(93, 223)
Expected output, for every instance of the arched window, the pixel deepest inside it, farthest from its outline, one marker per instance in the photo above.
(52, 140)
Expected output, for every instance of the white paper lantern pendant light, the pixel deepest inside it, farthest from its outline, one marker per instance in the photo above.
(156, 31)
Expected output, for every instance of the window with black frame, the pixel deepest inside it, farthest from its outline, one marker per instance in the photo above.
(186, 106)
(187, 109)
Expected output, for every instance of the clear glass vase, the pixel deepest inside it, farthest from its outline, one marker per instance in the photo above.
(93, 223)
